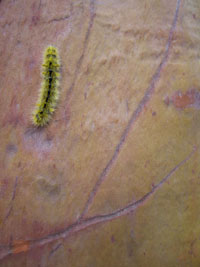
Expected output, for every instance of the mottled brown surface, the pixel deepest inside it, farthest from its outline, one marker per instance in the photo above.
(114, 180)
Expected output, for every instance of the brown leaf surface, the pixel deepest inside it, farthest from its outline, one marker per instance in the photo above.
(113, 180)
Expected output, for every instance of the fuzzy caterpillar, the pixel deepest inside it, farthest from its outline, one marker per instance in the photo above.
(49, 94)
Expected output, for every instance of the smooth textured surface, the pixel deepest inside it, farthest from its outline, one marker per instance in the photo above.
(114, 178)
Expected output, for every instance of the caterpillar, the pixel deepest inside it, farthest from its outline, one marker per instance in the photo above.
(49, 93)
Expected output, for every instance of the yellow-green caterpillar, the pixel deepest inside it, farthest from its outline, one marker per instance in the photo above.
(49, 94)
